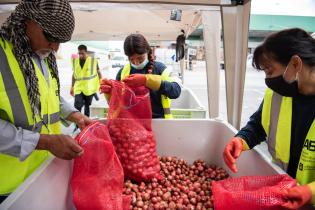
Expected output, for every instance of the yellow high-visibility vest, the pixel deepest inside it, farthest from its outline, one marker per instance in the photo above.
(276, 120)
(166, 101)
(16, 109)
(86, 77)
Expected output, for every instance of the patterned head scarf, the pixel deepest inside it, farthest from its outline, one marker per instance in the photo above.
(56, 18)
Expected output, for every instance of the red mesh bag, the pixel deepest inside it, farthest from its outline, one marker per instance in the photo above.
(97, 178)
(130, 127)
(251, 192)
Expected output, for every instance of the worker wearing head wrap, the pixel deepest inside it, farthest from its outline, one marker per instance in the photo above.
(30, 103)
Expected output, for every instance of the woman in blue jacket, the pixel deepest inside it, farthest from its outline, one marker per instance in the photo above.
(286, 117)
(143, 70)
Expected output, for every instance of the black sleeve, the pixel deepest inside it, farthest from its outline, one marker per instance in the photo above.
(118, 75)
(170, 89)
(253, 133)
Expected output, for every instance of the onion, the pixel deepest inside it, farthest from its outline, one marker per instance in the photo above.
(183, 186)
(193, 201)
(172, 205)
(139, 204)
(154, 193)
(185, 201)
(166, 196)
(154, 185)
(145, 196)
(191, 194)
(154, 200)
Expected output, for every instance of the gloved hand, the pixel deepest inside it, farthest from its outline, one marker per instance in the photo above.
(135, 80)
(105, 86)
(297, 197)
(153, 81)
(232, 151)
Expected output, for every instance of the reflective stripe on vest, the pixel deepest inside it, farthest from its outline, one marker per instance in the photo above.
(15, 108)
(18, 115)
(277, 110)
(165, 101)
(86, 77)
(277, 121)
(53, 118)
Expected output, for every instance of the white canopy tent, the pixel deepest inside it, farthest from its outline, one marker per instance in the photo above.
(115, 19)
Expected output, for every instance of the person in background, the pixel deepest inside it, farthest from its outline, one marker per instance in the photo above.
(85, 80)
(142, 70)
(31, 107)
(286, 117)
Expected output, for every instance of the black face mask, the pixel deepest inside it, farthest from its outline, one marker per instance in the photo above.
(279, 85)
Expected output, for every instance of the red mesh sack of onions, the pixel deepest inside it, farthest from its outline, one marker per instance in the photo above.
(130, 127)
(251, 192)
(97, 178)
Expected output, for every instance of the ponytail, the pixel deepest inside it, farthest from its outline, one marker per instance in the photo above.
(151, 61)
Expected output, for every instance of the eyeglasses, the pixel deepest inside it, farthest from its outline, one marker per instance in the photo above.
(50, 38)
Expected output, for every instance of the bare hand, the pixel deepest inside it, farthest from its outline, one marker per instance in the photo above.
(80, 119)
(62, 146)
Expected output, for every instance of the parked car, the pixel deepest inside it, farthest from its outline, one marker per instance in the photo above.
(222, 65)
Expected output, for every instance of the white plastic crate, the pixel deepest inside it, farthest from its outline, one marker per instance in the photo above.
(185, 106)
(48, 187)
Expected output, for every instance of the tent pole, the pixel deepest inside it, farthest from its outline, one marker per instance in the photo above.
(211, 35)
(235, 22)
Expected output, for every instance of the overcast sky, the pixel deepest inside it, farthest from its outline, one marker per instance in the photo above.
(284, 7)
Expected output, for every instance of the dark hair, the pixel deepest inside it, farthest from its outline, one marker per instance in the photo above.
(281, 46)
(137, 44)
(82, 47)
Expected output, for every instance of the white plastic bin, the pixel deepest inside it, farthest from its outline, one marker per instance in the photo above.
(48, 187)
(186, 105)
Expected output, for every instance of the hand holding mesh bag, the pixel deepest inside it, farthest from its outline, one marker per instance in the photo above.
(97, 179)
(251, 192)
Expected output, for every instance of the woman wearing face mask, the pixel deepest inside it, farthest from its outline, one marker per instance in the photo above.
(142, 70)
(286, 117)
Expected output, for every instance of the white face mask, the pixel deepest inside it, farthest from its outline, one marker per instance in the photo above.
(43, 53)
(141, 65)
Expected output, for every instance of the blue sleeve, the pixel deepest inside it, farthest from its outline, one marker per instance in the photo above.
(170, 89)
(253, 133)
(118, 75)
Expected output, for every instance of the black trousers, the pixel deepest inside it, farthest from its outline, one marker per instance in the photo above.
(81, 100)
